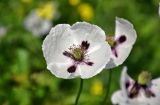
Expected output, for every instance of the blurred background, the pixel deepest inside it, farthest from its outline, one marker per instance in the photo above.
(24, 79)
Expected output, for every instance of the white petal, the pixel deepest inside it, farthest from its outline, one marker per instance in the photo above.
(100, 57)
(155, 88)
(123, 52)
(57, 62)
(49, 46)
(124, 79)
(124, 27)
(156, 82)
(119, 98)
(89, 31)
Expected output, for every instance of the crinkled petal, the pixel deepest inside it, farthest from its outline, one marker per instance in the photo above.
(89, 31)
(57, 63)
(124, 27)
(50, 43)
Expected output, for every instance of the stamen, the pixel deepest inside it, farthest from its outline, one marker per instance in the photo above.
(134, 90)
(78, 54)
(89, 63)
(72, 69)
(85, 45)
(68, 54)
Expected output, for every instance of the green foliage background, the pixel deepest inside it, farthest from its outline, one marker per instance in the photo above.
(24, 79)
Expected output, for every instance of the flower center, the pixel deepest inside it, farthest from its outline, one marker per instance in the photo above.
(143, 83)
(114, 43)
(78, 54)
(110, 40)
(144, 78)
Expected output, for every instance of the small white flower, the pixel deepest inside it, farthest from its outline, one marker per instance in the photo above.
(37, 25)
(121, 44)
(3, 31)
(73, 51)
(142, 92)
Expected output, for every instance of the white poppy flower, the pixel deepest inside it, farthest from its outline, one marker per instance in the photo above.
(121, 44)
(73, 51)
(3, 31)
(37, 25)
(142, 92)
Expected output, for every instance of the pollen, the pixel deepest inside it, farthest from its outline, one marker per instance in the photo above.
(144, 78)
(110, 40)
(78, 54)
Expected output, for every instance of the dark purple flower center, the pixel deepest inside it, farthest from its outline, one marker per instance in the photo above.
(135, 89)
(78, 54)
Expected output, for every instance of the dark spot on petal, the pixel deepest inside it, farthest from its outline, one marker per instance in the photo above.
(127, 84)
(72, 69)
(85, 45)
(122, 39)
(68, 54)
(89, 63)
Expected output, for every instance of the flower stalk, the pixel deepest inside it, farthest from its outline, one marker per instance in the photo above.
(108, 88)
(79, 92)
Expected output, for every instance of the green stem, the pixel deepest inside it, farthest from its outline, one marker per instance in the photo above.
(108, 87)
(97, 10)
(79, 92)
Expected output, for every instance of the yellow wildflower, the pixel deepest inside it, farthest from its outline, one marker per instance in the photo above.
(97, 87)
(74, 2)
(86, 11)
(46, 11)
